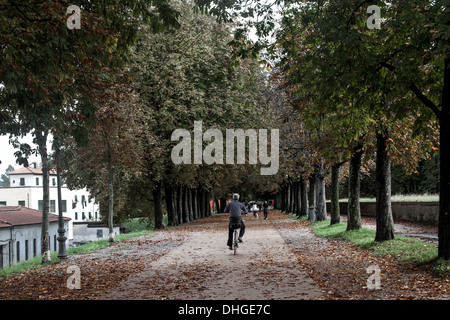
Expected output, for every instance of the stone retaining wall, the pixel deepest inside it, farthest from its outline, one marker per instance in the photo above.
(424, 212)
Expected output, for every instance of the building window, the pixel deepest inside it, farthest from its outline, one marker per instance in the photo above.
(22, 203)
(26, 249)
(37, 181)
(54, 181)
(52, 205)
(22, 181)
(83, 216)
(90, 215)
(96, 216)
(34, 248)
(76, 215)
(18, 250)
(64, 205)
(2, 203)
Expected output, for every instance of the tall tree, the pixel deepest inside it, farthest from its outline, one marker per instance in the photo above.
(342, 67)
(416, 55)
(188, 75)
(110, 160)
(46, 67)
(5, 176)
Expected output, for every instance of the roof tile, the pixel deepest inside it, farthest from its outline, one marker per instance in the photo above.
(19, 215)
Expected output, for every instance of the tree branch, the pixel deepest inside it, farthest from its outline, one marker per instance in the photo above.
(427, 102)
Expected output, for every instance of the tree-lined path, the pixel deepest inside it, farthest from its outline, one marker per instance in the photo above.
(280, 259)
(204, 268)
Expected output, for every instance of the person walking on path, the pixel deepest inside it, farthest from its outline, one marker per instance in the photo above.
(255, 211)
(266, 209)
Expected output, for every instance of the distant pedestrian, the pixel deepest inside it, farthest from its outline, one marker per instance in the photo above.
(255, 210)
(266, 209)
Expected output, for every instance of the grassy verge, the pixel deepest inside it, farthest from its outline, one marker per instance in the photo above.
(404, 249)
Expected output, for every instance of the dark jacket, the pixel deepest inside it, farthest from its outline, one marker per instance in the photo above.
(234, 209)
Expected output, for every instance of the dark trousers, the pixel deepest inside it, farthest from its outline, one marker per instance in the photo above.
(265, 213)
(231, 229)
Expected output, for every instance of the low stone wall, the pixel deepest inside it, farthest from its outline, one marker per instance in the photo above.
(84, 232)
(424, 212)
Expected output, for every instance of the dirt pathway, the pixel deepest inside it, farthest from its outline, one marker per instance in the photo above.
(280, 260)
(204, 268)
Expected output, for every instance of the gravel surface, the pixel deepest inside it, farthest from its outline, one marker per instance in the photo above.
(280, 259)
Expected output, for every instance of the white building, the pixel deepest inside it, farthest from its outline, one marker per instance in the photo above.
(20, 234)
(26, 190)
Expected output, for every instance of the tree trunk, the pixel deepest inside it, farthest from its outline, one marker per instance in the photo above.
(292, 207)
(175, 204)
(214, 201)
(288, 198)
(298, 199)
(293, 198)
(195, 204)
(444, 198)
(223, 203)
(334, 203)
(180, 204)
(444, 195)
(157, 198)
(304, 196)
(207, 203)
(354, 211)
(321, 204)
(185, 206)
(385, 223)
(201, 202)
(170, 206)
(41, 138)
(277, 200)
(189, 201)
(312, 191)
(110, 197)
(216, 206)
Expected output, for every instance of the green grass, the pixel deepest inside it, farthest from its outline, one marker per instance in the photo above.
(404, 249)
(30, 264)
(361, 237)
(36, 262)
(103, 243)
(138, 227)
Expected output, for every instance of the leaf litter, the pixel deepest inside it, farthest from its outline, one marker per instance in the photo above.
(336, 267)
